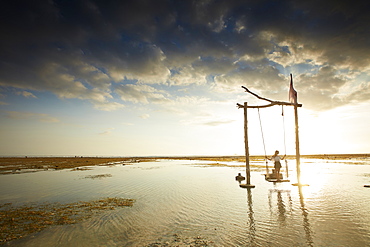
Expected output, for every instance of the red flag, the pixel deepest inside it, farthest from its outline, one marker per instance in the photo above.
(292, 92)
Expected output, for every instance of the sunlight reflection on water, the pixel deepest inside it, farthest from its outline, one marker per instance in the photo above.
(190, 200)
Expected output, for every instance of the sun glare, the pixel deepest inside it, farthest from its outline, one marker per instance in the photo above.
(319, 134)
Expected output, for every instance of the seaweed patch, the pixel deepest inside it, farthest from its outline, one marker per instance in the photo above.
(20, 221)
(99, 176)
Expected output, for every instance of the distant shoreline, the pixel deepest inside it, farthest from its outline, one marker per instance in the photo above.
(14, 165)
(307, 156)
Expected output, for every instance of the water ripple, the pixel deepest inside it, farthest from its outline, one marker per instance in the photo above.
(175, 198)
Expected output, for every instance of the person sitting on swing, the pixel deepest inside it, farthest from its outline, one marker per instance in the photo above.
(277, 165)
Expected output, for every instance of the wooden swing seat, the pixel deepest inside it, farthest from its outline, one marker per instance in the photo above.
(271, 178)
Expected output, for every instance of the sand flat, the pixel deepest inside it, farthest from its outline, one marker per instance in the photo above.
(31, 164)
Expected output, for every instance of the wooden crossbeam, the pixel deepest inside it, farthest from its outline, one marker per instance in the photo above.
(272, 102)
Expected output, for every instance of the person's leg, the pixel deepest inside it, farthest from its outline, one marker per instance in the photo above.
(275, 171)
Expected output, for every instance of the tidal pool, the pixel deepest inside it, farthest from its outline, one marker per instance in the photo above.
(184, 202)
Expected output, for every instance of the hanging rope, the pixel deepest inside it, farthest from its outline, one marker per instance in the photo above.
(282, 114)
(263, 141)
(286, 161)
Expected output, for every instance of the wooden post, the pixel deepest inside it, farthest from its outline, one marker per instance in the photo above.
(247, 168)
(297, 153)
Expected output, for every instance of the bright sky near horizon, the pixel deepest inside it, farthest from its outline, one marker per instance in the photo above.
(136, 78)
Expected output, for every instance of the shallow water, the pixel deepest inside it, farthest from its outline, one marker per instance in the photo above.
(190, 199)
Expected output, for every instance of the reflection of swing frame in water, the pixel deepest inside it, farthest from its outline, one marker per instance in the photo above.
(251, 222)
(281, 205)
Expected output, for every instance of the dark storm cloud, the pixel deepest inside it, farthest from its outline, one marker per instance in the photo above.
(79, 49)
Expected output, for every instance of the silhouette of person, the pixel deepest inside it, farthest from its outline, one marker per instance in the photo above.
(277, 164)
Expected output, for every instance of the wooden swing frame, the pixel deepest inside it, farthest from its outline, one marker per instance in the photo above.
(245, 106)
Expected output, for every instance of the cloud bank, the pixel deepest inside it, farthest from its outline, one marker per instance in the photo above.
(113, 53)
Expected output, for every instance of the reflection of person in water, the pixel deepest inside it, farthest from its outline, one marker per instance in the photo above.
(281, 207)
(277, 165)
(283, 203)
(239, 178)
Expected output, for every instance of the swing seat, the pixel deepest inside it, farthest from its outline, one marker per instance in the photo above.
(272, 178)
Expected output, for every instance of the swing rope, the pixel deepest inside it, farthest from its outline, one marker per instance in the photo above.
(286, 161)
(282, 114)
(263, 141)
(264, 145)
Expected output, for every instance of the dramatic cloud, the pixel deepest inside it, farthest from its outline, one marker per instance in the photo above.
(95, 50)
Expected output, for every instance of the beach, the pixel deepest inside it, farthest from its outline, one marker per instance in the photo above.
(186, 201)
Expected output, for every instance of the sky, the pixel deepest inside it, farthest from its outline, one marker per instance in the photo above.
(153, 78)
